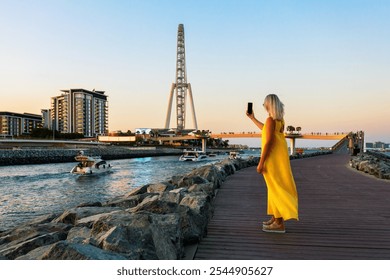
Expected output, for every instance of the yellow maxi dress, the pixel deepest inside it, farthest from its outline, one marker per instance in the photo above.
(282, 192)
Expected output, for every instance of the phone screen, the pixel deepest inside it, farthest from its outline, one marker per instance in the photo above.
(250, 108)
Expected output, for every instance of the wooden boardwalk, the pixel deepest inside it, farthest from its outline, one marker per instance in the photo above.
(343, 215)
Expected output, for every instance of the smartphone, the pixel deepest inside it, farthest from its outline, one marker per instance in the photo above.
(250, 108)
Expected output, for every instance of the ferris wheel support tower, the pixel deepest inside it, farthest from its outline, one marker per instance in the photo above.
(180, 89)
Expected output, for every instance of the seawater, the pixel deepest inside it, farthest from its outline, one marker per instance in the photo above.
(28, 191)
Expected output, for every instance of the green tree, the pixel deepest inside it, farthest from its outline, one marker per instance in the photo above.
(290, 129)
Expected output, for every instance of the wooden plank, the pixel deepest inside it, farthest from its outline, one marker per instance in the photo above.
(343, 215)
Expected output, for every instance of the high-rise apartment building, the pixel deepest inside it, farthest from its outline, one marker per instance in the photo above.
(47, 121)
(80, 111)
(15, 124)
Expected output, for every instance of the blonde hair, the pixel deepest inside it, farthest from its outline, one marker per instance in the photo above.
(275, 106)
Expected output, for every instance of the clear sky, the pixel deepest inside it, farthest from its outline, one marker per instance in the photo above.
(329, 61)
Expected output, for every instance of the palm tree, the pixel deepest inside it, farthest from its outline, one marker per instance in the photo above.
(298, 129)
(290, 129)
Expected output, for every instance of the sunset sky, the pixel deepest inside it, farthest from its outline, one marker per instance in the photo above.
(329, 61)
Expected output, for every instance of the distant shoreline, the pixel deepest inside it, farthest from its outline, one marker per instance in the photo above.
(28, 156)
(58, 155)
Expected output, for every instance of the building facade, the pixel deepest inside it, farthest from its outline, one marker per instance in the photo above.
(369, 145)
(15, 124)
(377, 145)
(381, 145)
(80, 111)
(47, 121)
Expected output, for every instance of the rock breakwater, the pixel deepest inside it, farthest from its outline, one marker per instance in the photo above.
(154, 221)
(372, 163)
(37, 156)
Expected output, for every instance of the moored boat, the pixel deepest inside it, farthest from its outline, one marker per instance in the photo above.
(193, 156)
(234, 155)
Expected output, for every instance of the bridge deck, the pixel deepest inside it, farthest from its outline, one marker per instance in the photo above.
(297, 136)
(343, 215)
(253, 135)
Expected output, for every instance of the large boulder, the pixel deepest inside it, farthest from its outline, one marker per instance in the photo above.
(90, 204)
(139, 190)
(167, 236)
(384, 166)
(125, 202)
(127, 234)
(196, 214)
(24, 239)
(43, 219)
(181, 191)
(90, 220)
(64, 250)
(207, 189)
(190, 180)
(362, 166)
(383, 170)
(227, 166)
(129, 201)
(240, 163)
(253, 161)
(156, 205)
(81, 235)
(71, 216)
(372, 169)
(175, 180)
(172, 196)
(211, 174)
(140, 235)
(385, 176)
(160, 187)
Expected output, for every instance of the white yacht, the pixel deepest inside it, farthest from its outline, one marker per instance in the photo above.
(193, 156)
(90, 165)
(234, 155)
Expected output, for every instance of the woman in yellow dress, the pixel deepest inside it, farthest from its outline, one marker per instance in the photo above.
(275, 166)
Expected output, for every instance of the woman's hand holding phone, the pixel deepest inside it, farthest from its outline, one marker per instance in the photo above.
(249, 111)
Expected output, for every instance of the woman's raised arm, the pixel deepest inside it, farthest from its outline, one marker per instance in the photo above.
(258, 123)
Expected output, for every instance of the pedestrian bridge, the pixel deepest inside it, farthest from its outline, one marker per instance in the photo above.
(311, 136)
(341, 137)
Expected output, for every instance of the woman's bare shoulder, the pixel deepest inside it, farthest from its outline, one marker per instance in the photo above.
(270, 120)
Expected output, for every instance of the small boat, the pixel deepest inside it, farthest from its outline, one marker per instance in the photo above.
(193, 156)
(90, 165)
(234, 155)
